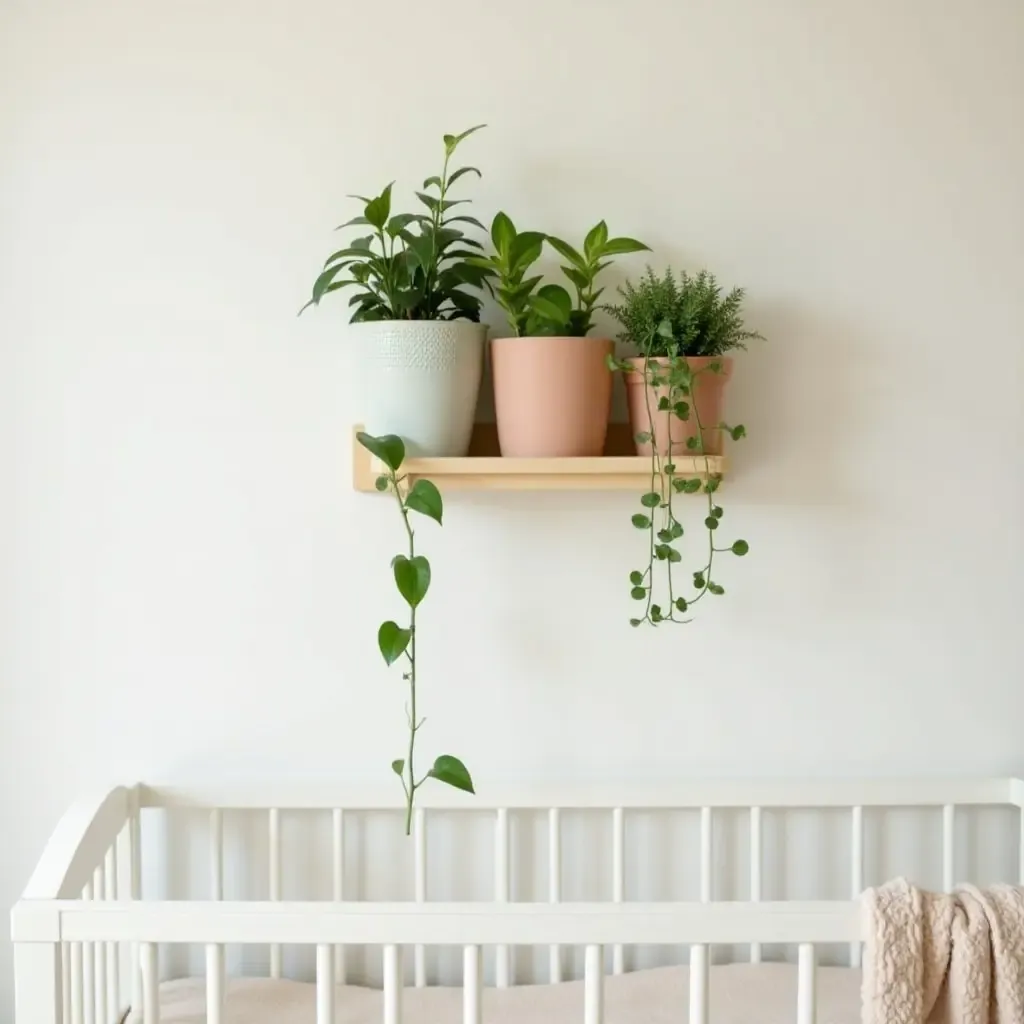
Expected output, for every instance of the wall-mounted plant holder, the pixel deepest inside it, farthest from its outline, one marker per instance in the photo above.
(619, 469)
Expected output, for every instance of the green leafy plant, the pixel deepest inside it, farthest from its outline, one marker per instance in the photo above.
(663, 347)
(412, 578)
(701, 320)
(536, 310)
(410, 266)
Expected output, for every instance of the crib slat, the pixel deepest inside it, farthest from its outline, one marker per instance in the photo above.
(135, 893)
(755, 872)
(216, 854)
(324, 985)
(100, 954)
(113, 949)
(420, 864)
(275, 882)
(699, 976)
(88, 972)
(554, 886)
(948, 834)
(77, 993)
(392, 985)
(618, 876)
(338, 888)
(65, 982)
(472, 993)
(856, 870)
(502, 970)
(214, 983)
(593, 986)
(705, 855)
(806, 999)
(150, 984)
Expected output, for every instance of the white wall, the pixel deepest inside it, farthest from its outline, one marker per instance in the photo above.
(188, 583)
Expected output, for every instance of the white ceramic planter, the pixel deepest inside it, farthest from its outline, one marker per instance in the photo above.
(420, 379)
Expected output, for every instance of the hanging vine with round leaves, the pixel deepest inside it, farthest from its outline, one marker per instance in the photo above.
(659, 520)
(412, 579)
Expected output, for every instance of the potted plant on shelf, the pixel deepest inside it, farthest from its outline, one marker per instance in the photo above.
(552, 385)
(683, 330)
(398, 643)
(415, 312)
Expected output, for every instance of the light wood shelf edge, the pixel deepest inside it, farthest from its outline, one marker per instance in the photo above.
(493, 473)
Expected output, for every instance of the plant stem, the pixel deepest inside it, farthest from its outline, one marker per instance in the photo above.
(411, 786)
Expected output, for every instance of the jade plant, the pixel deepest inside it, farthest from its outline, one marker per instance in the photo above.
(397, 643)
(410, 266)
(534, 309)
(670, 323)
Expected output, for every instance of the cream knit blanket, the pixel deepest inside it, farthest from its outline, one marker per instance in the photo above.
(943, 959)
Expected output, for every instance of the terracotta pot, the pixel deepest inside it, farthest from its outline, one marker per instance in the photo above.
(707, 393)
(552, 396)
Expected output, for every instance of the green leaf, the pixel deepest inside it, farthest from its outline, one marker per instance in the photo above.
(740, 547)
(465, 220)
(381, 483)
(392, 641)
(669, 468)
(661, 551)
(717, 512)
(698, 580)
(664, 330)
(428, 201)
(712, 485)
(621, 246)
(642, 438)
(711, 523)
(716, 589)
(503, 233)
(641, 522)
(680, 604)
(737, 432)
(378, 210)
(400, 222)
(432, 182)
(461, 172)
(677, 530)
(692, 443)
(636, 577)
(635, 622)
(412, 577)
(389, 448)
(663, 403)
(682, 410)
(651, 499)
(425, 498)
(452, 772)
(398, 767)
(352, 223)
(525, 250)
(566, 250)
(552, 303)
(686, 486)
(638, 593)
(674, 556)
(665, 536)
(656, 615)
(451, 141)
(577, 277)
(597, 238)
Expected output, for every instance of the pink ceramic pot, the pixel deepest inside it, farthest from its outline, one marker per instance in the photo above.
(552, 396)
(707, 395)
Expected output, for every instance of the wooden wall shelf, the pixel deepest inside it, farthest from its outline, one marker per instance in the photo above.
(485, 470)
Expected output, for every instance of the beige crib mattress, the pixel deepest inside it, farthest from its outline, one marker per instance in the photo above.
(740, 994)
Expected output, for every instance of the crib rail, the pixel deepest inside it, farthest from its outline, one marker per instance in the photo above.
(81, 914)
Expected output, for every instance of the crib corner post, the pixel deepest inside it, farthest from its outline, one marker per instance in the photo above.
(37, 983)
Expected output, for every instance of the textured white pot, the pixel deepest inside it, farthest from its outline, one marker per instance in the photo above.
(420, 379)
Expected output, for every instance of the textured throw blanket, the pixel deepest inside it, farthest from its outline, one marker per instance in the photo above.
(932, 958)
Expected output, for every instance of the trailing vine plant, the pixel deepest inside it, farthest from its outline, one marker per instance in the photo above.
(412, 578)
(670, 322)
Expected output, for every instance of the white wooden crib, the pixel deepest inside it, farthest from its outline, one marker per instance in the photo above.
(86, 941)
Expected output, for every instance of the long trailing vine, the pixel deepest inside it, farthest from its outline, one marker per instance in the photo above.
(659, 519)
(412, 578)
